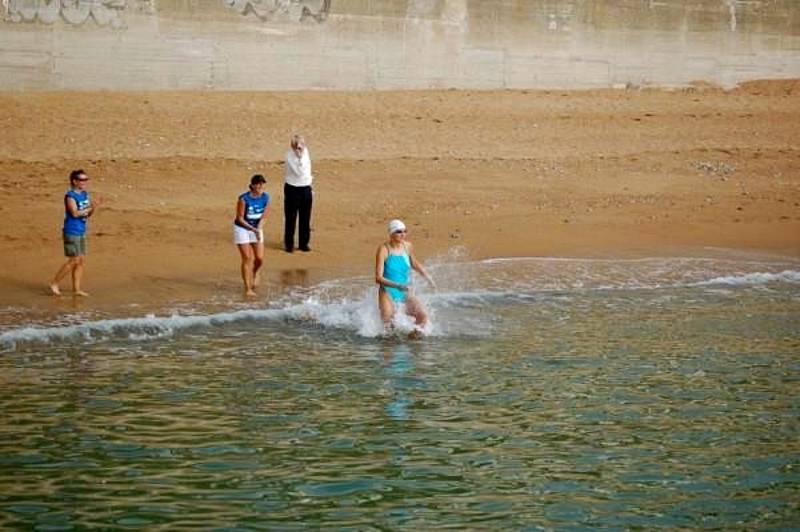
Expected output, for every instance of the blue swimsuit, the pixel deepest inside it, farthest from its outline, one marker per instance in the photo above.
(397, 268)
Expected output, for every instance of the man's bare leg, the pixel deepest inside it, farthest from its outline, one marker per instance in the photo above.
(66, 268)
(77, 276)
(54, 289)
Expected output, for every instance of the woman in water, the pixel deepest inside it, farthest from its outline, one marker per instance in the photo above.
(394, 261)
(251, 209)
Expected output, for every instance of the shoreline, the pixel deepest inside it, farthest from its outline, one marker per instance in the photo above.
(719, 270)
(224, 295)
(502, 173)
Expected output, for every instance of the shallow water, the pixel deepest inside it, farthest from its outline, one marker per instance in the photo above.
(552, 393)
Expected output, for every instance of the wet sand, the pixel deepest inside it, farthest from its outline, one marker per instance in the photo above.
(622, 173)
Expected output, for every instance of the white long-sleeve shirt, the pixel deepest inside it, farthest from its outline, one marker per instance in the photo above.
(297, 170)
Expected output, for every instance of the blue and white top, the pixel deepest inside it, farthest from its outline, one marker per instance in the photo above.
(76, 225)
(253, 209)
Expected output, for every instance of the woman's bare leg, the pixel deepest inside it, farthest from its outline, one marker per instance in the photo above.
(248, 260)
(417, 311)
(386, 307)
(258, 261)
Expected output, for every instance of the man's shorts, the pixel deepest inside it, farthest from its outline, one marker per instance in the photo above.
(245, 236)
(74, 246)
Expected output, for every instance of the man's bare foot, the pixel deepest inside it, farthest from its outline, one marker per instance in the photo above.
(250, 293)
(81, 293)
(54, 289)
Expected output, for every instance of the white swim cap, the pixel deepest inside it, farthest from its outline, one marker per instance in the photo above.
(395, 226)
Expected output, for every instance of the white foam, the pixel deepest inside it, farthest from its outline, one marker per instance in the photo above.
(359, 316)
(142, 328)
(755, 278)
(554, 274)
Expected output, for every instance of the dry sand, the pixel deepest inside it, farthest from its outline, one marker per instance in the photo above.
(618, 173)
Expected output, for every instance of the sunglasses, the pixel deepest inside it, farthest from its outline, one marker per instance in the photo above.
(401, 231)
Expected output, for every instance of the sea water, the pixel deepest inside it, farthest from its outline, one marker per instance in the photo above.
(548, 393)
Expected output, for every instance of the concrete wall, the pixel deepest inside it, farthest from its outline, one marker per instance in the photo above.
(393, 44)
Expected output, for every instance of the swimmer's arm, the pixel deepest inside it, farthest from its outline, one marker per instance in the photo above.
(240, 216)
(417, 265)
(380, 257)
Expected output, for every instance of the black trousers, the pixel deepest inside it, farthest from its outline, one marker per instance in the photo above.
(297, 204)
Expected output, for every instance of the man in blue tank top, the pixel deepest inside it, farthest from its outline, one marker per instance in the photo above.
(77, 209)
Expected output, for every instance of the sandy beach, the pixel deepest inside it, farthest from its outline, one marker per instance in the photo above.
(620, 173)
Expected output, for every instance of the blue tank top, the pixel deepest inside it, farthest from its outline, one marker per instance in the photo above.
(253, 208)
(76, 225)
(397, 268)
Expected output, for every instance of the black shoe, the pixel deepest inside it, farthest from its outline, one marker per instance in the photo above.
(289, 250)
(305, 248)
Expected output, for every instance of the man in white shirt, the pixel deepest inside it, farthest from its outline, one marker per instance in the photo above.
(297, 195)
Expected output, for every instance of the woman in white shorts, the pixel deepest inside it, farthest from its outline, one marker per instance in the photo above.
(251, 210)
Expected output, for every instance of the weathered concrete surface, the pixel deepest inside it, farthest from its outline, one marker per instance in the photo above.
(393, 44)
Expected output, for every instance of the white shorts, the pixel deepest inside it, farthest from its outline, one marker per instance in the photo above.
(245, 236)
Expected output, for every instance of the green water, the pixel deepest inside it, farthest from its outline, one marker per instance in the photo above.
(622, 408)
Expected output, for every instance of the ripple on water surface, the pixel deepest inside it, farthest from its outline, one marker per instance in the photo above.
(552, 394)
